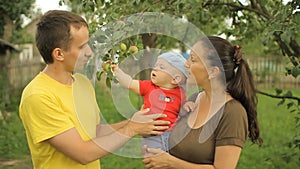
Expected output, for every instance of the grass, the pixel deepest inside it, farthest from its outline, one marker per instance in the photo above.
(276, 122)
(277, 129)
(119, 159)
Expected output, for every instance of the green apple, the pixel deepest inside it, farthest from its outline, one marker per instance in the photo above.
(133, 49)
(123, 46)
(106, 66)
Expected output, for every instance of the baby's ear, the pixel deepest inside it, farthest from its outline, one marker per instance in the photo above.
(177, 79)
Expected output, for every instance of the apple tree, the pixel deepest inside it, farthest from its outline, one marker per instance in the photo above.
(12, 14)
(273, 24)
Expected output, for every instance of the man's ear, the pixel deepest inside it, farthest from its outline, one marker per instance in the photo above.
(213, 72)
(57, 54)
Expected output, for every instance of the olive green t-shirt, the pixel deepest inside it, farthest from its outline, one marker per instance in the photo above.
(227, 127)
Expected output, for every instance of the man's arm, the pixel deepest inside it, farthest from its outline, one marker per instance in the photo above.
(104, 129)
(71, 144)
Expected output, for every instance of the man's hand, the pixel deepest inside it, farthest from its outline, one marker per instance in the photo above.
(143, 124)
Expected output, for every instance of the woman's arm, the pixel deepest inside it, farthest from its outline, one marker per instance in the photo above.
(226, 157)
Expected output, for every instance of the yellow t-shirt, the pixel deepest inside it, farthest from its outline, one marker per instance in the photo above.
(49, 108)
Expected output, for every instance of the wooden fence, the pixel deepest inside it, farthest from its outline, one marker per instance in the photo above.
(270, 73)
(267, 72)
(20, 73)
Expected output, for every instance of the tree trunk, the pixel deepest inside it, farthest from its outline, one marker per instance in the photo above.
(8, 28)
(4, 60)
(4, 81)
(149, 41)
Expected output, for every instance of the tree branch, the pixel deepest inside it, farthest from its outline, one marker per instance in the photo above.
(263, 9)
(295, 46)
(284, 48)
(278, 97)
(237, 7)
(253, 4)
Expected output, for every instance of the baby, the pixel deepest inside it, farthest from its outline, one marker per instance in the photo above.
(164, 93)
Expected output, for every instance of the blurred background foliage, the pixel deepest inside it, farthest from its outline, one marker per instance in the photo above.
(268, 28)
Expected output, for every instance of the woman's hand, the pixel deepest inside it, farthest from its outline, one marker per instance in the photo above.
(156, 159)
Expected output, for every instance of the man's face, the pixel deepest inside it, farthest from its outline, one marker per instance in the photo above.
(79, 51)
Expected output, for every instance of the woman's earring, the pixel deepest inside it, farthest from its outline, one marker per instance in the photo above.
(213, 73)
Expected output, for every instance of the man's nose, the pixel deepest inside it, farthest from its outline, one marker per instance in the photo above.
(88, 52)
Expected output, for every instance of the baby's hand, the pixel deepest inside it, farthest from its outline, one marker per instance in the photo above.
(114, 67)
(189, 106)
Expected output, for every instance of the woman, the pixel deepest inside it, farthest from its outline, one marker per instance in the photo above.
(213, 134)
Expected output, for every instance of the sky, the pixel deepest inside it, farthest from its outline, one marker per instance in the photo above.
(46, 5)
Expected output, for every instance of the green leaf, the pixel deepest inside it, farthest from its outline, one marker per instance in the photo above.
(108, 83)
(278, 91)
(288, 94)
(295, 72)
(289, 105)
(281, 102)
(99, 74)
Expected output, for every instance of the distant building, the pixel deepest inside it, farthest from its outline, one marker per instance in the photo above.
(23, 64)
(6, 50)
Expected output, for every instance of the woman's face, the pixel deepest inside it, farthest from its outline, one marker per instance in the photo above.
(197, 69)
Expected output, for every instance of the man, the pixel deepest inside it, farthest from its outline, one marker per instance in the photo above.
(58, 108)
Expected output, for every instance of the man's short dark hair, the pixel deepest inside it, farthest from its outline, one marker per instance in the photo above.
(53, 31)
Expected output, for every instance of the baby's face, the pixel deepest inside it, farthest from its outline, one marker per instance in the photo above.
(163, 73)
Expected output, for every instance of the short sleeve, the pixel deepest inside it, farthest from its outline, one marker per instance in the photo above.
(144, 86)
(44, 117)
(233, 126)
